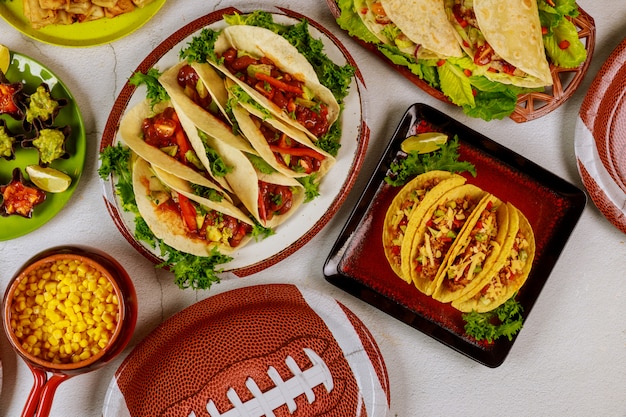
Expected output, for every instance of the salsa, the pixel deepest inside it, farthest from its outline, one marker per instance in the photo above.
(274, 200)
(282, 89)
(20, 198)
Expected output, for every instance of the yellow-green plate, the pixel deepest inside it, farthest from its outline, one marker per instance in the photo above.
(32, 73)
(85, 34)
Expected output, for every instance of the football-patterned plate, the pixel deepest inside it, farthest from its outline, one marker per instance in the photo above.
(265, 350)
(600, 139)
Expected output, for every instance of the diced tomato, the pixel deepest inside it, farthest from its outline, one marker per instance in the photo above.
(564, 44)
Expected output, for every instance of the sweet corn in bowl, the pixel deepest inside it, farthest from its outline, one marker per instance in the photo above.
(63, 311)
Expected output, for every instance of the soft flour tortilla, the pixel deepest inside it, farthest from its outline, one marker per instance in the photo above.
(247, 118)
(513, 30)
(424, 22)
(424, 235)
(167, 225)
(132, 135)
(473, 253)
(493, 291)
(260, 42)
(416, 196)
(244, 180)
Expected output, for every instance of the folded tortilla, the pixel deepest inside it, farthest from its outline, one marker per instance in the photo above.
(513, 31)
(434, 233)
(263, 43)
(475, 251)
(415, 197)
(425, 23)
(132, 135)
(510, 271)
(297, 164)
(156, 203)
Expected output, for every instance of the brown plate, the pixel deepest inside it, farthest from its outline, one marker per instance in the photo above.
(310, 217)
(601, 138)
(530, 106)
(357, 262)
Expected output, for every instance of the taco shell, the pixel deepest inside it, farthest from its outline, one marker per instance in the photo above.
(510, 271)
(475, 251)
(434, 233)
(416, 196)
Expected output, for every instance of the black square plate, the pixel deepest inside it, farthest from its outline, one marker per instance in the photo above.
(357, 263)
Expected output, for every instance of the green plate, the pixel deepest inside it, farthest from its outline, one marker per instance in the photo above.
(32, 73)
(92, 33)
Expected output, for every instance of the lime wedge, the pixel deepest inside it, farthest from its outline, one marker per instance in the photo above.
(424, 142)
(5, 59)
(48, 179)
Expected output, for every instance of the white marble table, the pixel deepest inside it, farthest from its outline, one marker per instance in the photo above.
(570, 358)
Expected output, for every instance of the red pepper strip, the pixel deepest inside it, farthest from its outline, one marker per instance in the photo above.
(188, 212)
(183, 143)
(298, 152)
(276, 83)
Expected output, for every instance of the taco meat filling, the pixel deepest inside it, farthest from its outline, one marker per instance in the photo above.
(284, 90)
(473, 39)
(470, 262)
(289, 152)
(195, 89)
(202, 222)
(441, 231)
(274, 199)
(400, 218)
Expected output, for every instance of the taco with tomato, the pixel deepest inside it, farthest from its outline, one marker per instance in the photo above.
(413, 199)
(184, 220)
(156, 134)
(276, 75)
(509, 272)
(287, 149)
(269, 196)
(475, 252)
(504, 39)
(434, 233)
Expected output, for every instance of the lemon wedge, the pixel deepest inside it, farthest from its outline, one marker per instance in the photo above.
(5, 58)
(48, 179)
(424, 142)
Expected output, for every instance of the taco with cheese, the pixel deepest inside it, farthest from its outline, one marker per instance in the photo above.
(475, 252)
(184, 220)
(509, 272)
(434, 233)
(503, 38)
(276, 75)
(414, 197)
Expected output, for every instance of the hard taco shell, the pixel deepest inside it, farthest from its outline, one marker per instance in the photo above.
(416, 196)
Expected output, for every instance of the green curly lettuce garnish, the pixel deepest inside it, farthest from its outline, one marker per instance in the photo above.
(505, 320)
(156, 93)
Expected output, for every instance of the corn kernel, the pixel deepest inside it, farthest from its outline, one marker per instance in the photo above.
(64, 311)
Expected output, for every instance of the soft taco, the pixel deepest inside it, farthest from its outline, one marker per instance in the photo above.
(270, 197)
(509, 272)
(183, 220)
(475, 250)
(424, 22)
(198, 93)
(156, 134)
(503, 38)
(274, 73)
(433, 234)
(414, 197)
(288, 150)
